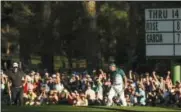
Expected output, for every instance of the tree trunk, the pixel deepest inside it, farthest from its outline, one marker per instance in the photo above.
(25, 53)
(92, 39)
(47, 52)
(70, 62)
(8, 43)
(47, 62)
(8, 48)
(133, 35)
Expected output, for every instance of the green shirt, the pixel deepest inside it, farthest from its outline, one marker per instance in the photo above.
(117, 76)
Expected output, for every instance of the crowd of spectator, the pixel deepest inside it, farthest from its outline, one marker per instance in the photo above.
(82, 89)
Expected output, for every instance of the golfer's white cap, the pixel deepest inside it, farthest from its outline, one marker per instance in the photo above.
(112, 64)
(15, 64)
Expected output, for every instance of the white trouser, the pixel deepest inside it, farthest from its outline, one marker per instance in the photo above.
(116, 90)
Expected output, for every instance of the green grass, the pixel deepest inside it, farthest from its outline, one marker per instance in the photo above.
(64, 108)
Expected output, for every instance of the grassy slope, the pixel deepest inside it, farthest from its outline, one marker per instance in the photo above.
(63, 108)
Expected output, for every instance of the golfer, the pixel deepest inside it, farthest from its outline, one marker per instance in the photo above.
(117, 77)
(15, 84)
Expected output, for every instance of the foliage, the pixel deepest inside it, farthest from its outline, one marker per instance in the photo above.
(91, 30)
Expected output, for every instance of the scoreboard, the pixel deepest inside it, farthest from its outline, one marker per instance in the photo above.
(163, 32)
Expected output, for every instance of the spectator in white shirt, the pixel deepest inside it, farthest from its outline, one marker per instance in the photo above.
(90, 94)
(58, 86)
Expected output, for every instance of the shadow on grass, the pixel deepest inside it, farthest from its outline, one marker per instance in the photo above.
(168, 107)
(126, 110)
(114, 109)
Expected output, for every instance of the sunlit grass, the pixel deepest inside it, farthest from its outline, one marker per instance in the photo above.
(63, 108)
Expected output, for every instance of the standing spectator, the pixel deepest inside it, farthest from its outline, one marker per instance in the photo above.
(162, 84)
(168, 80)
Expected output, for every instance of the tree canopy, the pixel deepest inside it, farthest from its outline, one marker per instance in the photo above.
(98, 31)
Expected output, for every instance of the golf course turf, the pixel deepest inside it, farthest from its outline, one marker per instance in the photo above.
(66, 108)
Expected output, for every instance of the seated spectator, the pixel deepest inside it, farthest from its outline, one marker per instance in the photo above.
(53, 97)
(58, 86)
(46, 75)
(28, 85)
(65, 82)
(81, 100)
(128, 100)
(99, 91)
(45, 86)
(179, 97)
(32, 75)
(75, 83)
(37, 85)
(42, 98)
(89, 79)
(37, 76)
(50, 82)
(72, 98)
(116, 101)
(30, 99)
(141, 90)
(63, 96)
(159, 96)
(90, 95)
(140, 94)
(105, 100)
(25, 89)
(133, 98)
(3, 81)
(106, 86)
(151, 100)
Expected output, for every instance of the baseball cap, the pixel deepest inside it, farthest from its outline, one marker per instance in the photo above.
(15, 64)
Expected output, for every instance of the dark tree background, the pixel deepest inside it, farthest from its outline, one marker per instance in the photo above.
(99, 32)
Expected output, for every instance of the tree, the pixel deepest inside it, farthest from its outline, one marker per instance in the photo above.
(91, 37)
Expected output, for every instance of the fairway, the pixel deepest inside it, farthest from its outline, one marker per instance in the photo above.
(64, 108)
